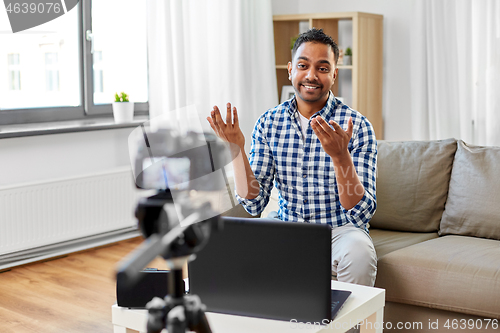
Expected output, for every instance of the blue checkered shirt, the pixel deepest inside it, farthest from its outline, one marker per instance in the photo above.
(301, 170)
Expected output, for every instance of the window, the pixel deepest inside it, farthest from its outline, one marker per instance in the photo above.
(69, 68)
(14, 71)
(51, 72)
(119, 51)
(49, 66)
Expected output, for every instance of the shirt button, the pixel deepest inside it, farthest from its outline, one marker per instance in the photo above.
(304, 176)
(305, 200)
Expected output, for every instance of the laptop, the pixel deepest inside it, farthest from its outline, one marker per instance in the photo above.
(266, 269)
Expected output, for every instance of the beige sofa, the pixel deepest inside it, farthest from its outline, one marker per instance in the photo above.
(437, 235)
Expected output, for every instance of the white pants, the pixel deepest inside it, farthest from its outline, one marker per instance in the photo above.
(353, 256)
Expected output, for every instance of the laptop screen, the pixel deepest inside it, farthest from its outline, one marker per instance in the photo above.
(277, 270)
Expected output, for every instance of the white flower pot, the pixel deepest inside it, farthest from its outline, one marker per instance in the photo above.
(347, 60)
(123, 112)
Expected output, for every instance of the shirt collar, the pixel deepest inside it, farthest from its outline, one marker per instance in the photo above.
(326, 110)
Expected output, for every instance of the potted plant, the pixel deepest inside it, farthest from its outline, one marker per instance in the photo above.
(348, 56)
(123, 109)
(292, 41)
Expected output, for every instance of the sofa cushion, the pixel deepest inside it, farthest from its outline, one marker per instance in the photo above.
(237, 211)
(412, 184)
(432, 320)
(386, 241)
(472, 205)
(454, 273)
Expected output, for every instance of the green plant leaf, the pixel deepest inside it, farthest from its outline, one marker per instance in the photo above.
(292, 41)
(122, 97)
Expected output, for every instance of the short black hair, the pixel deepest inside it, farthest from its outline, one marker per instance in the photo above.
(316, 36)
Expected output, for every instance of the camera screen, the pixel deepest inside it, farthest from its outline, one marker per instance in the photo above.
(166, 173)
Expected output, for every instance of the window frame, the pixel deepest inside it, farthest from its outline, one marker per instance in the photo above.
(87, 109)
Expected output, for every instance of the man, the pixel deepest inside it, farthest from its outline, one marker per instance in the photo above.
(324, 174)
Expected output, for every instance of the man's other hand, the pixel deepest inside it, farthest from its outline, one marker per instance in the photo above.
(334, 140)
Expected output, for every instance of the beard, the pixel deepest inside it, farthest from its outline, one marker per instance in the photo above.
(307, 94)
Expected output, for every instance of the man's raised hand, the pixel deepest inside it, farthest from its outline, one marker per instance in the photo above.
(228, 131)
(334, 140)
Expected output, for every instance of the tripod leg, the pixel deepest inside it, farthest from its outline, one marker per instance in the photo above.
(176, 320)
(203, 326)
(195, 311)
(156, 315)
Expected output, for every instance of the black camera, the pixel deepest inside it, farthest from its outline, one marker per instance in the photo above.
(166, 159)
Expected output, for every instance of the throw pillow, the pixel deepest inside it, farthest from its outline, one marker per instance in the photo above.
(472, 205)
(412, 184)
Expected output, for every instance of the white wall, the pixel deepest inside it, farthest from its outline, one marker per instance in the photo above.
(397, 25)
(54, 156)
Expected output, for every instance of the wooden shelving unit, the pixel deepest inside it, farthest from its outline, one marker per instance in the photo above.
(367, 60)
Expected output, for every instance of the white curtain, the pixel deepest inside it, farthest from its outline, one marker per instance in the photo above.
(455, 70)
(209, 52)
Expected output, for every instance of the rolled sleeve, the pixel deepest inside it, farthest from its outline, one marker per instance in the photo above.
(364, 156)
(362, 213)
(253, 206)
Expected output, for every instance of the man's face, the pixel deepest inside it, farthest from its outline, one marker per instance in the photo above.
(312, 71)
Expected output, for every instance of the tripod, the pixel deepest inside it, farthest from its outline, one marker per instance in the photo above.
(177, 311)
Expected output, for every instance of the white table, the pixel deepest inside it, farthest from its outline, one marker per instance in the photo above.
(365, 305)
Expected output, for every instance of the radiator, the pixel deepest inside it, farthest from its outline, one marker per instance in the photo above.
(38, 215)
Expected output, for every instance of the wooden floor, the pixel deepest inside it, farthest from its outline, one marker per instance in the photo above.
(70, 294)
